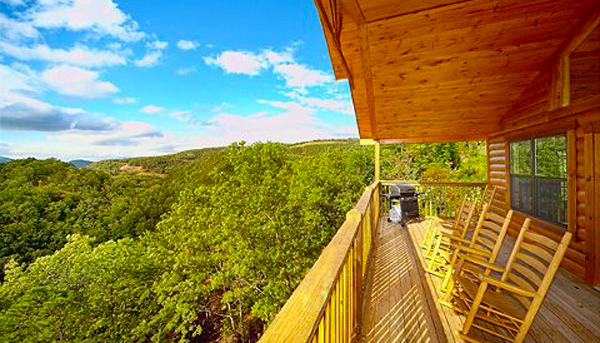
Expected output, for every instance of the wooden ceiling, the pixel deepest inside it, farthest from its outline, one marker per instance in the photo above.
(442, 70)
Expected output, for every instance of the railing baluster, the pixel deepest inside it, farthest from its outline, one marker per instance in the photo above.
(335, 316)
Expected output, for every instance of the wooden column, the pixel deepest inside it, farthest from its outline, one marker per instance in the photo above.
(589, 207)
(596, 204)
(377, 161)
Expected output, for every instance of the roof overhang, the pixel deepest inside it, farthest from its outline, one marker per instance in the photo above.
(442, 70)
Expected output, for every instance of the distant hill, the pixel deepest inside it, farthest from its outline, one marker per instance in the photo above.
(5, 159)
(161, 165)
(155, 165)
(80, 163)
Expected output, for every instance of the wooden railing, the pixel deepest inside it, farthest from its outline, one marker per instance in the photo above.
(325, 307)
(441, 199)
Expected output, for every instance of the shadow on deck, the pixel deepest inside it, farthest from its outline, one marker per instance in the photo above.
(400, 304)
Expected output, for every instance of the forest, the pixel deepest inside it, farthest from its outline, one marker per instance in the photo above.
(201, 246)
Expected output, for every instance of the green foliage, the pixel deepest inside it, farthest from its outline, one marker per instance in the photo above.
(219, 262)
(455, 161)
(206, 245)
(157, 164)
(81, 294)
(237, 235)
(43, 201)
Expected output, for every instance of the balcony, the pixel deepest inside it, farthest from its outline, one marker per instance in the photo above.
(369, 284)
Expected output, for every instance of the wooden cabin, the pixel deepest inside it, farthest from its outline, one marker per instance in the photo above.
(513, 73)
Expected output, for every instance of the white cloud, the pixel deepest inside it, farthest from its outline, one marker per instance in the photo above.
(15, 30)
(186, 70)
(124, 101)
(300, 76)
(100, 16)
(157, 45)
(238, 62)
(275, 58)
(15, 80)
(291, 122)
(152, 109)
(283, 64)
(76, 81)
(187, 45)
(337, 105)
(185, 116)
(20, 111)
(78, 55)
(151, 59)
(14, 2)
(126, 133)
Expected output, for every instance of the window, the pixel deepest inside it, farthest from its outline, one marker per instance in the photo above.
(538, 176)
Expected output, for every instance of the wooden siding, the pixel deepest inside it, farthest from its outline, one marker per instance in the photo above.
(585, 67)
(499, 158)
(531, 116)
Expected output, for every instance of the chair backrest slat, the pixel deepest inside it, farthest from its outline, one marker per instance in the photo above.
(495, 217)
(542, 240)
(461, 209)
(530, 262)
(544, 284)
(488, 234)
(489, 194)
(533, 262)
(464, 224)
(528, 273)
(538, 251)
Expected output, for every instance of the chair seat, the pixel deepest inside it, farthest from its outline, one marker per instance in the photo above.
(501, 300)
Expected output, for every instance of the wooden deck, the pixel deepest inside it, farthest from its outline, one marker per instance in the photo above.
(401, 304)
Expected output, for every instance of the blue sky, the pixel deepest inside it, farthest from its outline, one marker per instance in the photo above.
(102, 79)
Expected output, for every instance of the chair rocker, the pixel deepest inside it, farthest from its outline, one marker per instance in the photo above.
(483, 247)
(506, 306)
(443, 239)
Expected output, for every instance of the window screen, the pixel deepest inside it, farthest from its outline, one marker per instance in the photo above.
(538, 169)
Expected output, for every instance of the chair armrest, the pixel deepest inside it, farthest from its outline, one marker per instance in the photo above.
(452, 236)
(482, 263)
(437, 219)
(507, 286)
(472, 251)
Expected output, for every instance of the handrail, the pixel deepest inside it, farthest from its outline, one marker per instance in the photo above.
(435, 183)
(441, 198)
(325, 307)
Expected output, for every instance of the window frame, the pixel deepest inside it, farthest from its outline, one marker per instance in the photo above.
(535, 211)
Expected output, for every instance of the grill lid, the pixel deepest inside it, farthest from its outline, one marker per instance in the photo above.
(403, 188)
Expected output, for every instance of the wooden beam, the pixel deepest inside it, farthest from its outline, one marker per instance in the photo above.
(589, 205)
(459, 137)
(560, 117)
(596, 234)
(560, 86)
(328, 28)
(571, 181)
(368, 141)
(377, 161)
(354, 10)
(455, 3)
(582, 32)
(365, 53)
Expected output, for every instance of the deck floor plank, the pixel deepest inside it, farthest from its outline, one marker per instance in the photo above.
(396, 306)
(401, 300)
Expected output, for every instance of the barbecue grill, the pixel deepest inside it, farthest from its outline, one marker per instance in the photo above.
(403, 201)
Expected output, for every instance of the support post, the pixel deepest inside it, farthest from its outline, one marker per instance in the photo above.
(377, 161)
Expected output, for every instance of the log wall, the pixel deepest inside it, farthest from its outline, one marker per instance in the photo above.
(532, 116)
